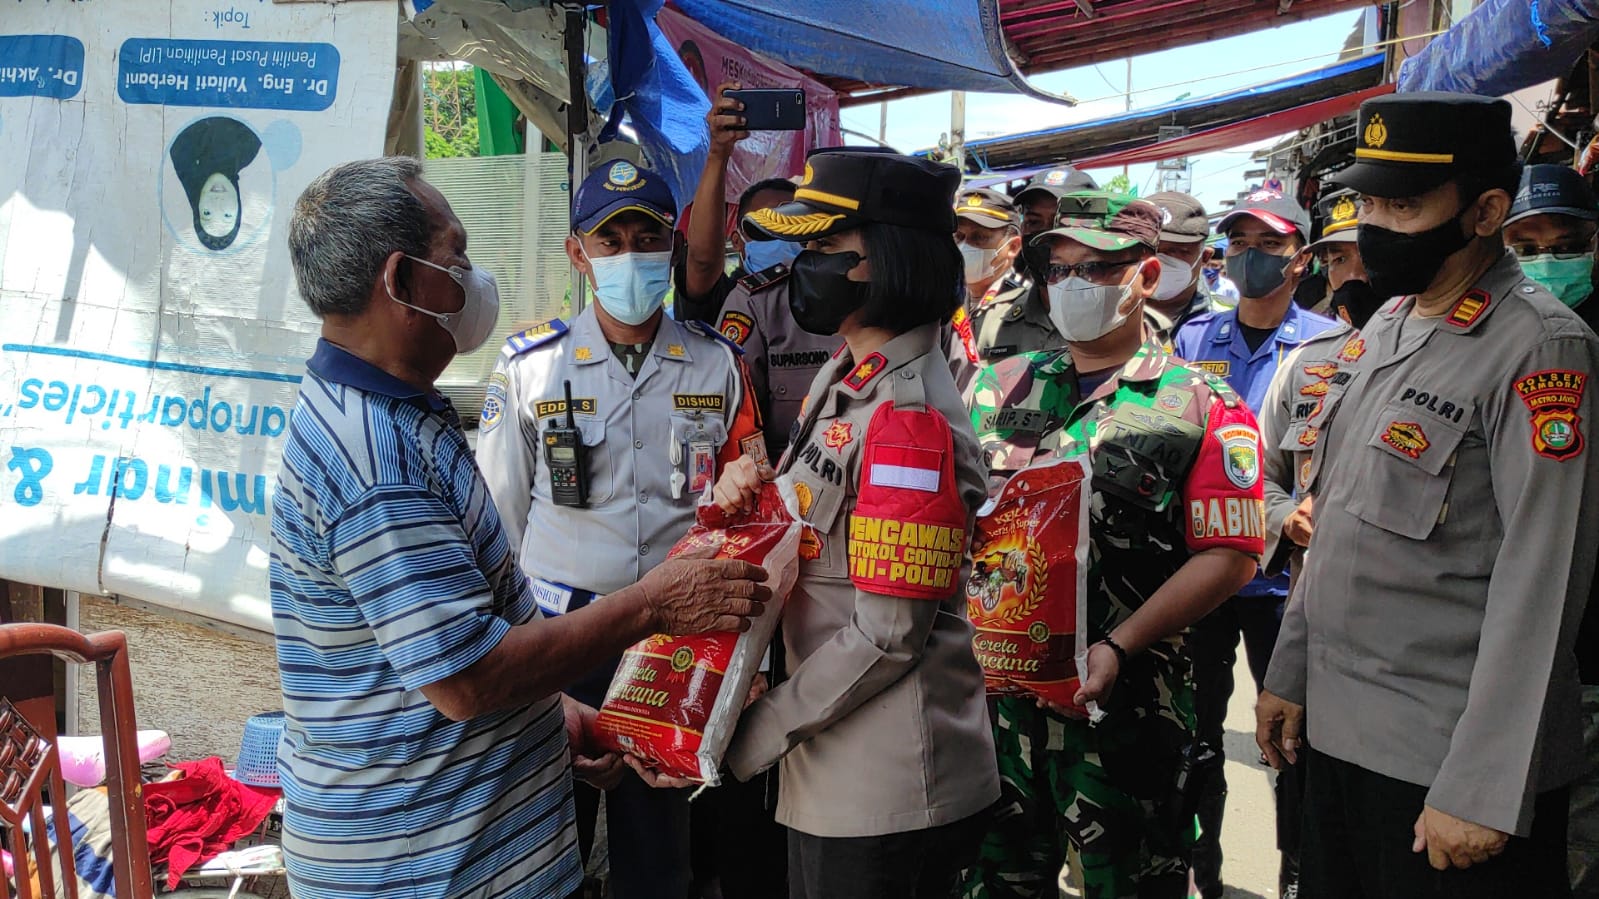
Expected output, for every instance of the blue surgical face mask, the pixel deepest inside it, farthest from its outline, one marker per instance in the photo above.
(760, 255)
(631, 286)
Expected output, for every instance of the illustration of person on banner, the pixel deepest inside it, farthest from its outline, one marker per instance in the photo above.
(878, 719)
(1175, 528)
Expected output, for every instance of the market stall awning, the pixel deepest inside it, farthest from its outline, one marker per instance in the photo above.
(1138, 130)
(1504, 46)
(1239, 134)
(884, 49)
(940, 44)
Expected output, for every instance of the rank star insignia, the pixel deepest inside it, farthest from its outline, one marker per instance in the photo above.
(1407, 437)
(1353, 349)
(837, 436)
(675, 350)
(863, 373)
(582, 354)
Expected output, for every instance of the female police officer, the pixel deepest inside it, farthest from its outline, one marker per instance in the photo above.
(880, 725)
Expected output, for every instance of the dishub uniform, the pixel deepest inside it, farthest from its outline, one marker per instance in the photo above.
(1175, 457)
(783, 358)
(685, 414)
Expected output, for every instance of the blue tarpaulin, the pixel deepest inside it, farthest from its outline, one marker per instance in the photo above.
(1504, 46)
(936, 44)
(662, 101)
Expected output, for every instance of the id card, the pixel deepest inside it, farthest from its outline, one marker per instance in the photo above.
(702, 467)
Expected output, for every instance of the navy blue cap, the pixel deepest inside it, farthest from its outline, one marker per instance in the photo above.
(1553, 189)
(620, 186)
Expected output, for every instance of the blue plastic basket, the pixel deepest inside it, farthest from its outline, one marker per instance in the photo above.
(258, 752)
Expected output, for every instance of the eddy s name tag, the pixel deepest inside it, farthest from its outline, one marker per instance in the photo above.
(558, 599)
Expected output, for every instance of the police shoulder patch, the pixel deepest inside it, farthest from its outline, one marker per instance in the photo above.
(737, 327)
(754, 282)
(536, 336)
(710, 333)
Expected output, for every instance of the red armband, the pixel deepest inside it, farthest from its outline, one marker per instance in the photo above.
(907, 534)
(1224, 493)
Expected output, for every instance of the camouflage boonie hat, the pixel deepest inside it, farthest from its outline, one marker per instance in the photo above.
(1106, 221)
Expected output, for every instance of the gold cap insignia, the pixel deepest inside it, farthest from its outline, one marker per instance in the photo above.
(1343, 210)
(1376, 132)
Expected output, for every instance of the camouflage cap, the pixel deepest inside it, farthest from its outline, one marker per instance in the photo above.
(1106, 221)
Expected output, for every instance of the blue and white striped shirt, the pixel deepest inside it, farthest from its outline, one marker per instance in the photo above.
(390, 571)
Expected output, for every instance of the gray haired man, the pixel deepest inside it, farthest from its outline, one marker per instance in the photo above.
(427, 744)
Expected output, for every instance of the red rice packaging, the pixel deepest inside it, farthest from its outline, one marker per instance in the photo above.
(1028, 591)
(675, 700)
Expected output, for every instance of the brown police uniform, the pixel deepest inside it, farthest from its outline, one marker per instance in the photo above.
(783, 358)
(881, 725)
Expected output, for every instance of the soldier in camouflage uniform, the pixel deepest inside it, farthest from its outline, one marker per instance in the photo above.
(1175, 527)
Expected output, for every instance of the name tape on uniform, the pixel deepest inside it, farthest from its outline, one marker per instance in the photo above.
(706, 402)
(580, 406)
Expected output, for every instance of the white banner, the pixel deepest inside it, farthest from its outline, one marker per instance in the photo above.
(151, 337)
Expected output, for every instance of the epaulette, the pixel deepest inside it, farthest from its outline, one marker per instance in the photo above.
(755, 282)
(705, 330)
(1218, 386)
(536, 336)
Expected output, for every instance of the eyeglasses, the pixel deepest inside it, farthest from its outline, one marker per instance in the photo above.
(1564, 251)
(1096, 272)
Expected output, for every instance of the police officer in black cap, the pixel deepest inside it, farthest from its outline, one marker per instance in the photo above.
(1552, 229)
(879, 724)
(1456, 503)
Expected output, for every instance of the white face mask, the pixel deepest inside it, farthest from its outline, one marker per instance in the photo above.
(631, 286)
(1082, 310)
(1176, 278)
(979, 261)
(472, 324)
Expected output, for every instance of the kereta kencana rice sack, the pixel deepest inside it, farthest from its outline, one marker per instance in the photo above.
(675, 700)
(1028, 592)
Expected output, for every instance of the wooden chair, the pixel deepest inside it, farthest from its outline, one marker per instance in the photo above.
(28, 762)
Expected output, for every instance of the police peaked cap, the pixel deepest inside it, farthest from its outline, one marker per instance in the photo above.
(1409, 144)
(849, 187)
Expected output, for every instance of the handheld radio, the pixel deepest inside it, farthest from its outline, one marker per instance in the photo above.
(564, 453)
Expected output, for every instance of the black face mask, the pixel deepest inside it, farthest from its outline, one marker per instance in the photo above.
(823, 295)
(1257, 272)
(1355, 302)
(1404, 264)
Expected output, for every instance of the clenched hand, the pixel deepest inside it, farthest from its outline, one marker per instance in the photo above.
(739, 488)
(1279, 726)
(1450, 841)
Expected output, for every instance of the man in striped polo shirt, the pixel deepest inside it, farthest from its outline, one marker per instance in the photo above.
(425, 754)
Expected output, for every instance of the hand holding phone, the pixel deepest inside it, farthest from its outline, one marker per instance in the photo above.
(780, 109)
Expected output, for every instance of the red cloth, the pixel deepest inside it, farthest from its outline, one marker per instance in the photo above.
(198, 816)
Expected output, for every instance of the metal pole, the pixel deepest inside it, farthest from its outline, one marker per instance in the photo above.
(882, 124)
(957, 129)
(1129, 101)
(577, 120)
